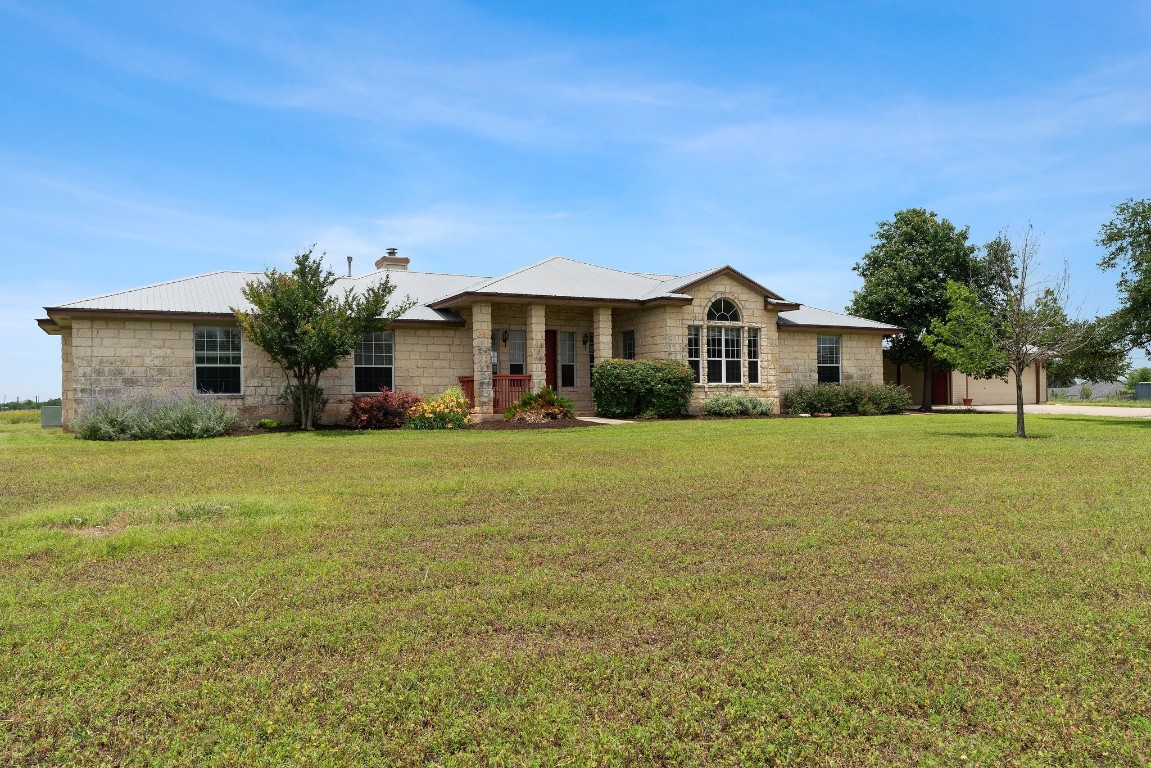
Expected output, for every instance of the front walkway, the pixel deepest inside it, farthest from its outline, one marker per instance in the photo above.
(1058, 408)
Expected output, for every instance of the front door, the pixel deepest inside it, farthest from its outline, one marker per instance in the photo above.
(939, 393)
(550, 355)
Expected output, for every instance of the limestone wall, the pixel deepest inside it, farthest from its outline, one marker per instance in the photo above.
(861, 357)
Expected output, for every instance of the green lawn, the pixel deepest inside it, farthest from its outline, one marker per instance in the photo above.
(857, 591)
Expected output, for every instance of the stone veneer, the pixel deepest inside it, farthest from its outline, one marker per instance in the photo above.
(860, 357)
(105, 357)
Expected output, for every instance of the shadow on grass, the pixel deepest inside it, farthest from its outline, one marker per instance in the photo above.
(993, 435)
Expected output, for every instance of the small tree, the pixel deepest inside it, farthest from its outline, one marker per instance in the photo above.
(1011, 322)
(306, 327)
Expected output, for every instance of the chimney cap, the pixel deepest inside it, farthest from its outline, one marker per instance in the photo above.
(392, 260)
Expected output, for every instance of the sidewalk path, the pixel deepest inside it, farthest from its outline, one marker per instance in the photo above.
(1059, 408)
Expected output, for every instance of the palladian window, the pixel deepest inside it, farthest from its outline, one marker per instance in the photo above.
(723, 310)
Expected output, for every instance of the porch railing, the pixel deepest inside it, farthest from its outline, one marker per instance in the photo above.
(506, 389)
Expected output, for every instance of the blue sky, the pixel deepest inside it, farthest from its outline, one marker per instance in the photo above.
(142, 142)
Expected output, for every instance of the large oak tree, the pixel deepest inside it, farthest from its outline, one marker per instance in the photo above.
(905, 278)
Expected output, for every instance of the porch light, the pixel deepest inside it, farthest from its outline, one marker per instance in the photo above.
(586, 338)
(505, 337)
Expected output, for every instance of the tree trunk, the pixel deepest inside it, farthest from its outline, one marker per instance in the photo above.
(928, 369)
(1020, 430)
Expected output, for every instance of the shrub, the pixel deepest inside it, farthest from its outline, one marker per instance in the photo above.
(1085, 392)
(651, 388)
(842, 399)
(176, 417)
(268, 424)
(386, 410)
(545, 405)
(738, 405)
(450, 410)
(289, 397)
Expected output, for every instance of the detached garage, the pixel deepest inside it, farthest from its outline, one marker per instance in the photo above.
(951, 388)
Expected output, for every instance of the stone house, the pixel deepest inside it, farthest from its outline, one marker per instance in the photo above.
(546, 323)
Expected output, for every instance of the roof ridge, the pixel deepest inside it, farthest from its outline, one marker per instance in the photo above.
(155, 285)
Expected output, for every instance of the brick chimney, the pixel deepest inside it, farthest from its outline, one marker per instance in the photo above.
(393, 261)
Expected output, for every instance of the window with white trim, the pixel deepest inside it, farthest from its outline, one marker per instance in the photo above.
(827, 360)
(567, 358)
(723, 310)
(723, 355)
(495, 353)
(374, 360)
(693, 349)
(752, 355)
(627, 345)
(517, 352)
(218, 360)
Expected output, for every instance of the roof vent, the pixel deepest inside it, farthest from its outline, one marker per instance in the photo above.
(393, 261)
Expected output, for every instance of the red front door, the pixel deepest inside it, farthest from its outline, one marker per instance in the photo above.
(939, 393)
(550, 354)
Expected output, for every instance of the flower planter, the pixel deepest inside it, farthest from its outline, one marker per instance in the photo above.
(967, 401)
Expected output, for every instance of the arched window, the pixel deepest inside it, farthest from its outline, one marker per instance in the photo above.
(723, 310)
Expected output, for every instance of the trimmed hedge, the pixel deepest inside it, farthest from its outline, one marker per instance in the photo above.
(624, 389)
(843, 399)
(176, 417)
(738, 405)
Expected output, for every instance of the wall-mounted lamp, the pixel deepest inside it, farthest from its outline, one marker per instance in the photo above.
(586, 338)
(504, 336)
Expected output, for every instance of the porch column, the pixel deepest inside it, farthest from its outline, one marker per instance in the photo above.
(537, 350)
(482, 355)
(601, 329)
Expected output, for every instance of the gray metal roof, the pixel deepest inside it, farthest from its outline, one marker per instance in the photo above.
(557, 277)
(218, 292)
(814, 316)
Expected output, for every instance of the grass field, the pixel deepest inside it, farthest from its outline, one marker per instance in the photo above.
(858, 591)
(1106, 402)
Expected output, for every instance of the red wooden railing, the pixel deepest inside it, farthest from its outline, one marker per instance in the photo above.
(506, 389)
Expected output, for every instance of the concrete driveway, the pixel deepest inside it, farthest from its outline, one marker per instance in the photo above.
(1060, 408)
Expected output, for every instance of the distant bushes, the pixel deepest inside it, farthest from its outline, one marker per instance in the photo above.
(843, 399)
(175, 417)
(537, 407)
(624, 389)
(384, 410)
(738, 405)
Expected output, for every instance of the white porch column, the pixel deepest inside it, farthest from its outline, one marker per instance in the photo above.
(601, 330)
(537, 349)
(482, 355)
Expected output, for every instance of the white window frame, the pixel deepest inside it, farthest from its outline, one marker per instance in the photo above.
(627, 345)
(753, 342)
(373, 356)
(725, 333)
(826, 350)
(695, 334)
(200, 356)
(517, 352)
(495, 353)
(567, 356)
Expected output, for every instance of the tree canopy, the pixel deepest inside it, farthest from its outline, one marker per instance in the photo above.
(1127, 239)
(905, 277)
(307, 327)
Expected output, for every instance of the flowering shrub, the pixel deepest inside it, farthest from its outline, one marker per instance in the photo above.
(386, 410)
(544, 405)
(450, 410)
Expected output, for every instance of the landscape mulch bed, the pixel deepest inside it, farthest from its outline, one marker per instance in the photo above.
(555, 424)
